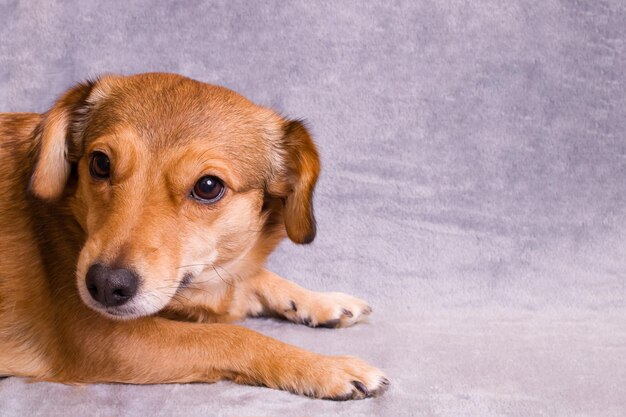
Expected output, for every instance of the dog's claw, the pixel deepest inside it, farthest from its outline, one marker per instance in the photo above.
(329, 310)
(330, 324)
(361, 387)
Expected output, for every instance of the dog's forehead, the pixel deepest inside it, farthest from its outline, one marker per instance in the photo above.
(169, 109)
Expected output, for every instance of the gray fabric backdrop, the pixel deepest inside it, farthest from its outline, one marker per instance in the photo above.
(473, 187)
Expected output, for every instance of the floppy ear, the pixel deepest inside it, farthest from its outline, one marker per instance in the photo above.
(302, 169)
(54, 134)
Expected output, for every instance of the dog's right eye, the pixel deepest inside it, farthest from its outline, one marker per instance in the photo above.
(208, 189)
(100, 166)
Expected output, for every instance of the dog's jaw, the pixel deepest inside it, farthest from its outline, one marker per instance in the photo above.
(148, 304)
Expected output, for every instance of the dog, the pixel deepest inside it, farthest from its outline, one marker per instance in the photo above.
(135, 219)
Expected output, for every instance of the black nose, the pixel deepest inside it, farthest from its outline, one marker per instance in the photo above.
(111, 287)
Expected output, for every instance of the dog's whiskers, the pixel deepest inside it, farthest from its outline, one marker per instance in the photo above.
(223, 280)
(187, 266)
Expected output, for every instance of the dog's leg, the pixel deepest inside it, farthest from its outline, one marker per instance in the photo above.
(157, 350)
(268, 292)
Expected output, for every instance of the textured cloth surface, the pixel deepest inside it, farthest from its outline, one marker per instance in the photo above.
(473, 188)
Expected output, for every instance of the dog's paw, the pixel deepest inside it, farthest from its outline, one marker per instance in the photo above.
(342, 378)
(327, 309)
(337, 378)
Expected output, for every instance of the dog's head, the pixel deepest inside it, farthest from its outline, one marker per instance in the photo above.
(169, 177)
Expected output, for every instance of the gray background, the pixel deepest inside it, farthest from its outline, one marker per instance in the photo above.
(473, 187)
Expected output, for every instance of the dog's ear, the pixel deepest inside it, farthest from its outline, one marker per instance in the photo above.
(55, 133)
(300, 169)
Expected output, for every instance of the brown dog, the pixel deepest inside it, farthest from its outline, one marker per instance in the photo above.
(154, 197)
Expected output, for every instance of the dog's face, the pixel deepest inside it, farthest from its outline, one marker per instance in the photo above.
(169, 177)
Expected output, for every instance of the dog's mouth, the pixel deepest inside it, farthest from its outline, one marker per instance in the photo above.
(121, 303)
(142, 306)
(119, 313)
(184, 283)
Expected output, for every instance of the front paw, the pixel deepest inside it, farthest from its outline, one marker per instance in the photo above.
(337, 378)
(330, 310)
(343, 378)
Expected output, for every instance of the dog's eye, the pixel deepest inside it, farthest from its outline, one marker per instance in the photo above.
(208, 189)
(100, 166)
